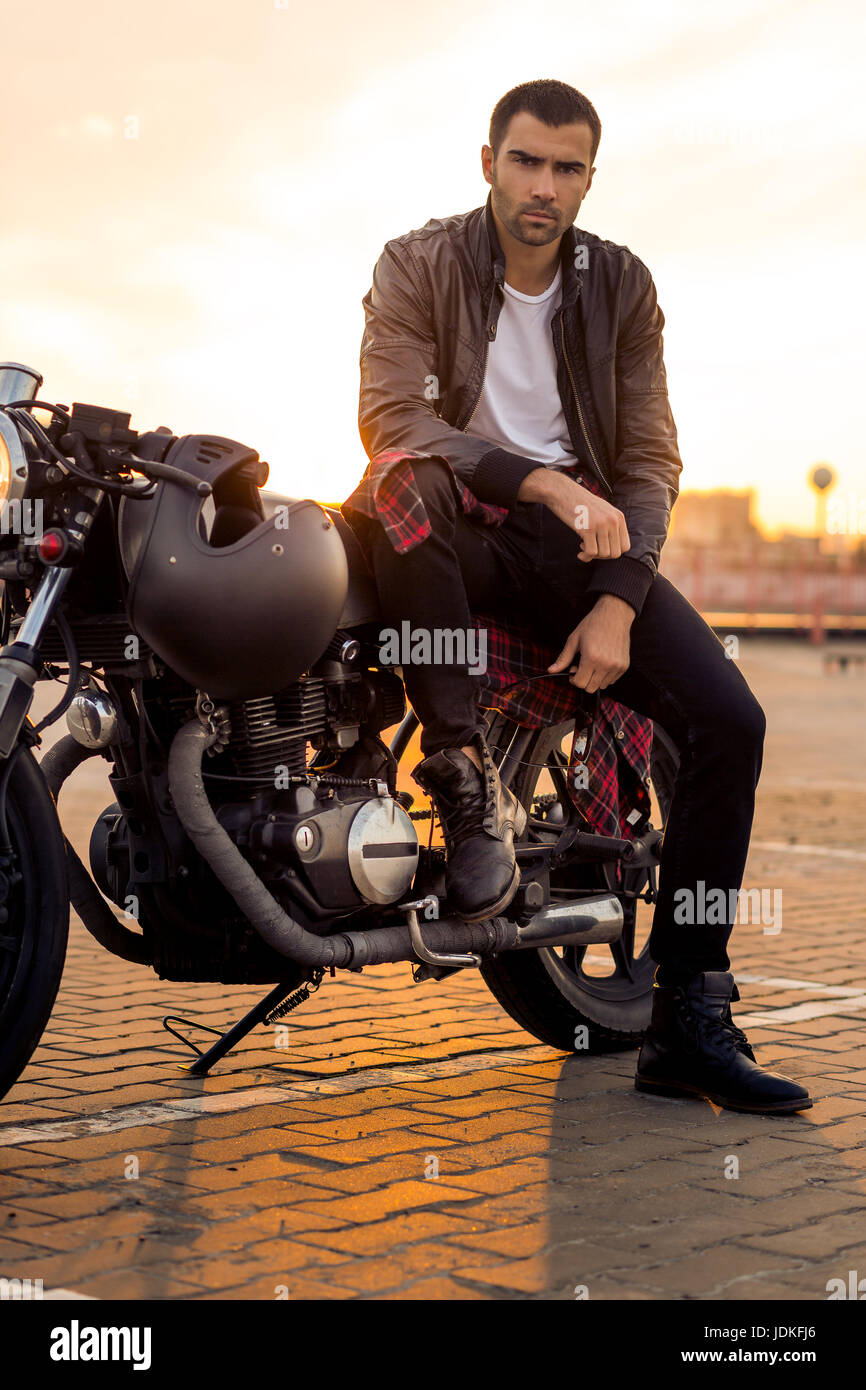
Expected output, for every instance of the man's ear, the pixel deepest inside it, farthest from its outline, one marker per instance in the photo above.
(589, 180)
(486, 162)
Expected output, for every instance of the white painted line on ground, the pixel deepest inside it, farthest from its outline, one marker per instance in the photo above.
(814, 785)
(780, 982)
(846, 999)
(190, 1107)
(843, 1000)
(798, 1013)
(12, 1291)
(64, 1295)
(815, 851)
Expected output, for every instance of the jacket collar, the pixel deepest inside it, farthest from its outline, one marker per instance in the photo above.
(490, 258)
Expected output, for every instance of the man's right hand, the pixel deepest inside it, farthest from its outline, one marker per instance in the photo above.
(600, 526)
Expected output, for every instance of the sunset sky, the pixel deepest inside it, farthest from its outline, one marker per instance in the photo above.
(195, 195)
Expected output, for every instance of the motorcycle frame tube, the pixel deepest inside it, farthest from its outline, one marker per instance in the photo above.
(59, 763)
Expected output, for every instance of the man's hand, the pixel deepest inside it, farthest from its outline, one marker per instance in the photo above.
(602, 641)
(601, 526)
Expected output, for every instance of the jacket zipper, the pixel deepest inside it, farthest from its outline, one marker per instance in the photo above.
(599, 470)
(491, 333)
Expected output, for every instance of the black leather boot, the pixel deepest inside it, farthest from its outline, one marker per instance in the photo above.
(692, 1048)
(480, 818)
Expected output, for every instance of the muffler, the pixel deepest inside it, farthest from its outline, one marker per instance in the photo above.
(574, 923)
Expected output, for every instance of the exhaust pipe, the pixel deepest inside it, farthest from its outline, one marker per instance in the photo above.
(576, 923)
(573, 923)
(594, 919)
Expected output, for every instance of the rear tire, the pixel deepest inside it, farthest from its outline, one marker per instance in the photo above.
(33, 937)
(548, 991)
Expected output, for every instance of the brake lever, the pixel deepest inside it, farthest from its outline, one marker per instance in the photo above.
(150, 468)
(73, 440)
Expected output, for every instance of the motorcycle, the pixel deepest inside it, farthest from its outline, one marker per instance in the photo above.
(219, 647)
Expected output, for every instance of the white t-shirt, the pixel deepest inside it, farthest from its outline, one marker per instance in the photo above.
(520, 408)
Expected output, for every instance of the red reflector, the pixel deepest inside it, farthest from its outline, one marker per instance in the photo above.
(52, 545)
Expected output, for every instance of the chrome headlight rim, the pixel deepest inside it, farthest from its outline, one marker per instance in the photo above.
(18, 467)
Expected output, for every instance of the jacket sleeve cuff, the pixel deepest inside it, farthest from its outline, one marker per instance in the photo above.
(498, 475)
(628, 579)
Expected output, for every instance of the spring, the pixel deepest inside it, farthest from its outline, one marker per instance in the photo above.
(300, 996)
(339, 781)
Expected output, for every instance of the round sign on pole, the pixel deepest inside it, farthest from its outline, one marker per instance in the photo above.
(822, 477)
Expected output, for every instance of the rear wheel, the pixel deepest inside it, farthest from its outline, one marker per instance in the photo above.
(598, 997)
(34, 915)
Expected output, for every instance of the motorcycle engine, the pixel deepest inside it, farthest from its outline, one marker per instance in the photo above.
(331, 834)
(344, 846)
(303, 785)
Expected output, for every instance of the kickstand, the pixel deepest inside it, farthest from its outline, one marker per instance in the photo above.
(226, 1041)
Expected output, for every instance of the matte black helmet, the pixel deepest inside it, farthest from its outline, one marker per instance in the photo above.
(248, 608)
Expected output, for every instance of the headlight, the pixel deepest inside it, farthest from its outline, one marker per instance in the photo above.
(18, 383)
(13, 465)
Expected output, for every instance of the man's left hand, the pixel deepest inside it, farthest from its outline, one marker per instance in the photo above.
(601, 640)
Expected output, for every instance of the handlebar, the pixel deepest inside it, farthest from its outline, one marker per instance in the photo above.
(73, 441)
(96, 435)
(109, 431)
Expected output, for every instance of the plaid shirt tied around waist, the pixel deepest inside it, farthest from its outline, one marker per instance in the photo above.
(609, 760)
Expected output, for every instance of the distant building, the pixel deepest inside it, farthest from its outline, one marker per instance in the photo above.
(739, 579)
(715, 520)
(790, 549)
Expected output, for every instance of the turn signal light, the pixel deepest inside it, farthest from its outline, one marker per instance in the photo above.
(52, 546)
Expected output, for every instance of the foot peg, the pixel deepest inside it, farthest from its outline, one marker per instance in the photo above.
(431, 957)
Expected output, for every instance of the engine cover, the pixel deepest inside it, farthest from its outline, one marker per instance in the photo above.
(346, 852)
(383, 850)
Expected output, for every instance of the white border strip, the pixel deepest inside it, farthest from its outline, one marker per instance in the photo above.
(190, 1107)
(814, 851)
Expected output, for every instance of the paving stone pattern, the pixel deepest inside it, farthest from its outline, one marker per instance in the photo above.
(412, 1142)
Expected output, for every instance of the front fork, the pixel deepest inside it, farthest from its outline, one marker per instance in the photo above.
(19, 670)
(20, 662)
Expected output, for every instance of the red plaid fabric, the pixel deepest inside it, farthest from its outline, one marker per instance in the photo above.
(388, 491)
(608, 770)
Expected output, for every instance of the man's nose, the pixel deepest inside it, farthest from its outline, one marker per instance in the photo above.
(542, 186)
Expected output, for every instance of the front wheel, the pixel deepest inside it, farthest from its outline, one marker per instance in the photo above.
(34, 913)
(596, 998)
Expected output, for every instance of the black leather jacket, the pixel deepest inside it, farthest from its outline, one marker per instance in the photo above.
(431, 314)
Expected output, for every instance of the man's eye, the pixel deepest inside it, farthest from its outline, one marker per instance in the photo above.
(526, 159)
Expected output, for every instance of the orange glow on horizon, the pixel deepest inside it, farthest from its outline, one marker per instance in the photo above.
(200, 193)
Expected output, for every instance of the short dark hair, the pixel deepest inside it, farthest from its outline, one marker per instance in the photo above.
(554, 103)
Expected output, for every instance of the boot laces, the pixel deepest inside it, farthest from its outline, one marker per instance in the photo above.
(714, 1029)
(726, 1029)
(457, 822)
(460, 819)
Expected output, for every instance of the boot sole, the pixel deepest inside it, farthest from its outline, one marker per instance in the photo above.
(484, 913)
(660, 1088)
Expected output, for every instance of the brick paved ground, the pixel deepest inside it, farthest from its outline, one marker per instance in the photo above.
(308, 1170)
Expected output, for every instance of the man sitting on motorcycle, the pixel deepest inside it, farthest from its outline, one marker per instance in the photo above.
(522, 359)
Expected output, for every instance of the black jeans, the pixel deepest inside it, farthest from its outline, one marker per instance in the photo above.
(679, 675)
